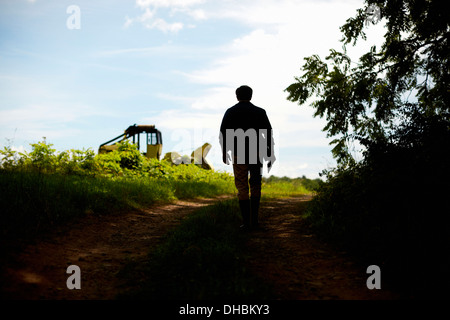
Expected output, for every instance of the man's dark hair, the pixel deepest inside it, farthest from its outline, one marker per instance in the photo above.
(244, 93)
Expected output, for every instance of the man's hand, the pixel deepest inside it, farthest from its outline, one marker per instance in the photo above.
(270, 163)
(226, 158)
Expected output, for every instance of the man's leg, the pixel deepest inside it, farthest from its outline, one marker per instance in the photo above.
(241, 182)
(255, 188)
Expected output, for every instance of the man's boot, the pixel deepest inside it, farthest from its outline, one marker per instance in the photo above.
(255, 211)
(244, 205)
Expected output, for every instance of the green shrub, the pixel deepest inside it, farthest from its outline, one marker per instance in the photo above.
(391, 209)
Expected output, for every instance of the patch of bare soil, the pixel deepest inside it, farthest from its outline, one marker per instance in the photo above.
(298, 265)
(100, 245)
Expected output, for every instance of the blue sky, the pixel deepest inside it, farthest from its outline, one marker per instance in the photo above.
(172, 63)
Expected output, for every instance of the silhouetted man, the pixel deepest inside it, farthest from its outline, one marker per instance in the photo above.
(247, 141)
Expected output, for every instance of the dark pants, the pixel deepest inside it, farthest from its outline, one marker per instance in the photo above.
(249, 208)
(242, 181)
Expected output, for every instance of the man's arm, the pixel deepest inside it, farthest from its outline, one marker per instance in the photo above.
(270, 142)
(223, 139)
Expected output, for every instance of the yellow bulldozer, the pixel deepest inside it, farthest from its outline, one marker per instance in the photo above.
(155, 145)
(153, 139)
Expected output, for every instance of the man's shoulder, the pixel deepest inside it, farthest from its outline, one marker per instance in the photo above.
(245, 106)
(259, 109)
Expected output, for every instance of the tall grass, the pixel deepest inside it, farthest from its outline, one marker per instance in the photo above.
(283, 189)
(44, 189)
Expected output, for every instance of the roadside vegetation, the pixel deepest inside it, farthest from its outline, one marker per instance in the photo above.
(45, 188)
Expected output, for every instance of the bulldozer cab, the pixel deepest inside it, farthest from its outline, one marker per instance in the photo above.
(153, 139)
(154, 144)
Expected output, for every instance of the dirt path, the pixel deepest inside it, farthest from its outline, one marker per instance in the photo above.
(100, 246)
(285, 253)
(299, 266)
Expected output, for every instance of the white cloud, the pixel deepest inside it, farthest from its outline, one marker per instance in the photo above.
(197, 14)
(151, 20)
(128, 22)
(179, 119)
(164, 26)
(38, 120)
(215, 99)
(147, 15)
(289, 169)
(167, 3)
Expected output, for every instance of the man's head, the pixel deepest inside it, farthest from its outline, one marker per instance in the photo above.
(244, 93)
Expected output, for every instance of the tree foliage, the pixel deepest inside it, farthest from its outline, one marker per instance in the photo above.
(367, 99)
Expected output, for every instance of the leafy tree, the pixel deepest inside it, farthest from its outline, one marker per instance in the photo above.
(42, 156)
(391, 206)
(366, 100)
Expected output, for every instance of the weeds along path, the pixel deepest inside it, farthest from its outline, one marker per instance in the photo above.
(100, 245)
(289, 256)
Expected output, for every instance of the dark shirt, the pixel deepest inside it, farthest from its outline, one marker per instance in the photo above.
(256, 132)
